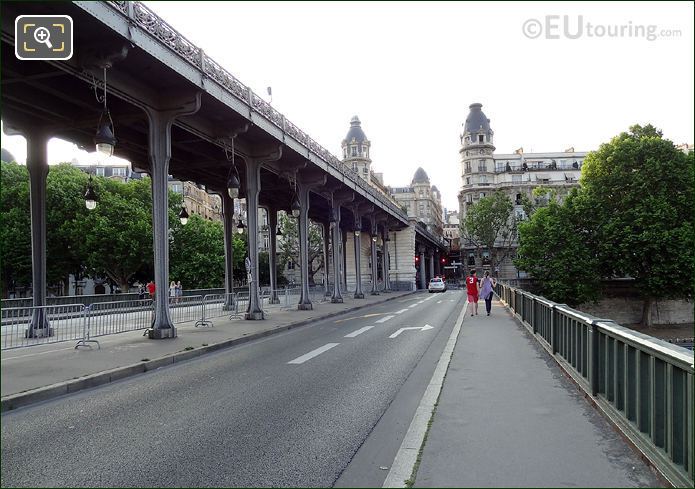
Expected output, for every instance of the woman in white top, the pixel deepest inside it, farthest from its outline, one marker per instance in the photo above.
(172, 292)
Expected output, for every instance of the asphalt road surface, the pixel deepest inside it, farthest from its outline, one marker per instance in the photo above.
(322, 405)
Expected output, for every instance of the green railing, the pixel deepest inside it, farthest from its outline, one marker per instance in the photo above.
(643, 384)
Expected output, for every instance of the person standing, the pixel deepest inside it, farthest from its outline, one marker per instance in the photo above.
(486, 292)
(172, 292)
(473, 290)
(179, 291)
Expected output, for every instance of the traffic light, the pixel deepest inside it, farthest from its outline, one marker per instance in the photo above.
(443, 261)
(417, 259)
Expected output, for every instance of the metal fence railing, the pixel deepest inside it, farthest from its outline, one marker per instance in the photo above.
(644, 384)
(22, 326)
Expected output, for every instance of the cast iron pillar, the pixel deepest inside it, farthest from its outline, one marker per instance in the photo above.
(159, 149)
(37, 166)
(372, 241)
(305, 182)
(338, 198)
(254, 163)
(272, 253)
(385, 257)
(228, 220)
(431, 267)
(326, 239)
(437, 264)
(423, 278)
(357, 240)
(343, 262)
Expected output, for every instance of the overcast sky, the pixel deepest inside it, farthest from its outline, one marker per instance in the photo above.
(410, 71)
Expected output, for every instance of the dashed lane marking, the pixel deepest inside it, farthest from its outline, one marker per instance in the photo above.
(313, 353)
(358, 332)
(384, 319)
(401, 311)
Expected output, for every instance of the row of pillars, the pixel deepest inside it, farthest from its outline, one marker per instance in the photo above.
(434, 269)
(159, 145)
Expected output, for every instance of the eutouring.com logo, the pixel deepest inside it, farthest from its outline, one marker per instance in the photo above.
(576, 27)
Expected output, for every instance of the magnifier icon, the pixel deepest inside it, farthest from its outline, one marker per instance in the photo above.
(43, 36)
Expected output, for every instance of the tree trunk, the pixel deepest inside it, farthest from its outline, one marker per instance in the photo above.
(646, 321)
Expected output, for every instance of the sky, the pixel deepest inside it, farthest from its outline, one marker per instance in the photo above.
(410, 70)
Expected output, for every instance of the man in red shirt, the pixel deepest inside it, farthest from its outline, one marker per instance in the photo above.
(473, 289)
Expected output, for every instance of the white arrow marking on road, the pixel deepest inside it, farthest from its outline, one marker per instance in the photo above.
(384, 319)
(313, 353)
(358, 332)
(424, 328)
(401, 311)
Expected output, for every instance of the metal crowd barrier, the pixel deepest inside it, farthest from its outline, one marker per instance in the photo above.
(643, 384)
(20, 326)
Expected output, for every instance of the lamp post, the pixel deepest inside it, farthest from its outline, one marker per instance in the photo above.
(104, 139)
(240, 226)
(90, 196)
(183, 215)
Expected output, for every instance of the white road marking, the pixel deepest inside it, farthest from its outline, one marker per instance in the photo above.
(439, 302)
(358, 332)
(401, 311)
(384, 319)
(313, 353)
(39, 353)
(413, 305)
(423, 328)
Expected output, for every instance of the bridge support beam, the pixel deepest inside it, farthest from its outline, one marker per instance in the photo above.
(357, 245)
(431, 265)
(228, 220)
(254, 164)
(385, 256)
(159, 148)
(423, 278)
(372, 241)
(437, 264)
(304, 185)
(337, 199)
(37, 166)
(326, 258)
(272, 253)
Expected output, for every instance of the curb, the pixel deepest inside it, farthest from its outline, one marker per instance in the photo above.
(22, 399)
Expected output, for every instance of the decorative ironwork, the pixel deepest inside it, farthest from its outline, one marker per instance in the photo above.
(169, 36)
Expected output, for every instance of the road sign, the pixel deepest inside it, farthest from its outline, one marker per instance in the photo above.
(423, 328)
(247, 263)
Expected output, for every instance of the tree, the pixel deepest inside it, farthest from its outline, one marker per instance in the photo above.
(639, 188)
(197, 254)
(491, 221)
(15, 227)
(288, 245)
(553, 249)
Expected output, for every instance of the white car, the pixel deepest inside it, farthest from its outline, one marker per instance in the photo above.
(437, 284)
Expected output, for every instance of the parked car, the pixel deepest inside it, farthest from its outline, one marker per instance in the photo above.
(437, 284)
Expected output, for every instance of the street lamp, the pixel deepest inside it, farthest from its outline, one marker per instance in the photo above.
(358, 232)
(374, 238)
(183, 215)
(240, 227)
(296, 206)
(278, 232)
(233, 183)
(90, 196)
(104, 140)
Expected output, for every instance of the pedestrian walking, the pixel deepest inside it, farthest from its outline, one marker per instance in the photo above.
(151, 289)
(179, 291)
(172, 292)
(486, 291)
(473, 290)
(141, 292)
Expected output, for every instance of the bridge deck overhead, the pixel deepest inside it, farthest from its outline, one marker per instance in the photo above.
(152, 66)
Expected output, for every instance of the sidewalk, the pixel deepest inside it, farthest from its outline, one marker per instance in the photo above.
(37, 373)
(508, 417)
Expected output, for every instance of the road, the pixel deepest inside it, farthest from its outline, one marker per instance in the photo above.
(323, 405)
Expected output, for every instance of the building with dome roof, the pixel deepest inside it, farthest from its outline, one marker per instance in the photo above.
(484, 172)
(421, 201)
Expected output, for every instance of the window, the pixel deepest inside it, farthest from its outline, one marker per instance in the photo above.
(483, 179)
(471, 258)
(290, 265)
(119, 172)
(365, 170)
(468, 167)
(344, 152)
(353, 151)
(469, 198)
(100, 171)
(482, 194)
(481, 165)
(176, 188)
(468, 180)
(481, 138)
(518, 199)
(516, 179)
(266, 243)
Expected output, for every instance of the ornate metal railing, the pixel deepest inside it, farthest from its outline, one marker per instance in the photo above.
(142, 16)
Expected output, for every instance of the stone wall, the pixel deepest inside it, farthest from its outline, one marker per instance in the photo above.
(628, 310)
(402, 251)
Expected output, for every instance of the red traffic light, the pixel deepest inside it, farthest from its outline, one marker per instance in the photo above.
(443, 260)
(417, 259)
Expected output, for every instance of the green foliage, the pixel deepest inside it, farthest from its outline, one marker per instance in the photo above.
(553, 249)
(15, 235)
(197, 254)
(641, 186)
(491, 221)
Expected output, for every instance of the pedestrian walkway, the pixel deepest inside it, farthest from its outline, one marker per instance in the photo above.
(41, 372)
(508, 417)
